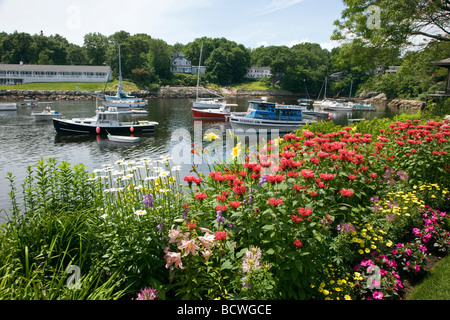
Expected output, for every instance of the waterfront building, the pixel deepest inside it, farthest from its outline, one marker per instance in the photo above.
(28, 73)
(180, 64)
(258, 72)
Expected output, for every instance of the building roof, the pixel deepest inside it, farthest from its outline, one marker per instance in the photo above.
(443, 63)
(53, 68)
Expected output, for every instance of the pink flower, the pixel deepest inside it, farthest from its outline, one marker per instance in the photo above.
(175, 235)
(377, 295)
(173, 258)
(189, 246)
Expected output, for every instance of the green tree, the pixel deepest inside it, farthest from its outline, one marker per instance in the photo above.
(96, 46)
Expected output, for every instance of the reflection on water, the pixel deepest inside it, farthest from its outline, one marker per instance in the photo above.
(24, 141)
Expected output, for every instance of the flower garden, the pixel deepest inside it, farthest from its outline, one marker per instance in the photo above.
(326, 212)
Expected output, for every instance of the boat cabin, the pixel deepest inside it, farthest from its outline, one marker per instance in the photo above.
(274, 111)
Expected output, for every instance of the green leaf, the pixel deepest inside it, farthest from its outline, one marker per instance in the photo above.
(226, 265)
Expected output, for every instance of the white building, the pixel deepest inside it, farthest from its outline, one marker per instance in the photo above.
(27, 73)
(180, 64)
(258, 73)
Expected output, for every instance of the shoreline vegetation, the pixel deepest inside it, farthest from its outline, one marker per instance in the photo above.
(325, 212)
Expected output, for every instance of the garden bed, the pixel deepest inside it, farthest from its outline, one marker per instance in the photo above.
(321, 213)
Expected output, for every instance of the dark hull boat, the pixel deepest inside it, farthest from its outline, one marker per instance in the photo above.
(103, 123)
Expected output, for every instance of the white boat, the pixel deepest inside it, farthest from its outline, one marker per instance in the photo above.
(208, 103)
(121, 96)
(8, 106)
(270, 116)
(212, 113)
(105, 121)
(339, 106)
(46, 114)
(123, 139)
(124, 104)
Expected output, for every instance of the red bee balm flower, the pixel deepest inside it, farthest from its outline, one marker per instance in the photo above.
(221, 235)
(297, 243)
(200, 196)
(346, 192)
(275, 201)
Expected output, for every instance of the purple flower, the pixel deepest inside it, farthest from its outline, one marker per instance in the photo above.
(147, 294)
(220, 218)
(148, 200)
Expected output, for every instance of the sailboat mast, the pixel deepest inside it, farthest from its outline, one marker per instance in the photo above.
(198, 70)
(120, 70)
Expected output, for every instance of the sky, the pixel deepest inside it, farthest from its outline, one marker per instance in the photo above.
(253, 23)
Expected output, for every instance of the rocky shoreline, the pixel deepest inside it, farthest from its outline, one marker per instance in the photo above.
(190, 93)
(163, 92)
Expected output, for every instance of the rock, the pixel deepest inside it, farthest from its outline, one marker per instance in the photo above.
(413, 105)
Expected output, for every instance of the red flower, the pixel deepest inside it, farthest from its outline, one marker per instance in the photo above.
(221, 207)
(200, 196)
(191, 225)
(304, 212)
(346, 192)
(235, 204)
(221, 235)
(327, 176)
(373, 175)
(307, 174)
(277, 178)
(296, 219)
(298, 243)
(275, 201)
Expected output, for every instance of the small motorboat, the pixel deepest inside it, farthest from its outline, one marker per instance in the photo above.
(46, 114)
(124, 139)
(8, 106)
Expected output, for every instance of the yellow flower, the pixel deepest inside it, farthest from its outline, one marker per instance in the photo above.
(389, 243)
(236, 152)
(347, 297)
(211, 136)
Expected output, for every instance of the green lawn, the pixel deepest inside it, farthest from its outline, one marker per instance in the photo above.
(436, 285)
(75, 86)
(252, 85)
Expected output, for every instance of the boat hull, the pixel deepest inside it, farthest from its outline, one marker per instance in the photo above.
(45, 116)
(207, 105)
(209, 114)
(244, 123)
(71, 127)
(124, 104)
(8, 106)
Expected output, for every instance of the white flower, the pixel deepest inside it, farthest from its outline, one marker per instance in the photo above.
(176, 168)
(140, 212)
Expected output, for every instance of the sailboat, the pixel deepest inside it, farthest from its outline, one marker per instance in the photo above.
(208, 103)
(121, 99)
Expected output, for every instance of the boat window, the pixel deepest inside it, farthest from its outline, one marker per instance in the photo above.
(263, 107)
(253, 106)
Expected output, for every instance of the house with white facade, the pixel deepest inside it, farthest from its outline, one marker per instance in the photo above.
(258, 73)
(28, 73)
(180, 64)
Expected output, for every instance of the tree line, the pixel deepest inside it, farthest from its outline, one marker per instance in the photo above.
(365, 52)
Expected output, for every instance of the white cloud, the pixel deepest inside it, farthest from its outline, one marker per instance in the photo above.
(276, 5)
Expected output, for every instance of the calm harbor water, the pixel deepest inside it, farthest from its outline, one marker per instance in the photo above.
(24, 141)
